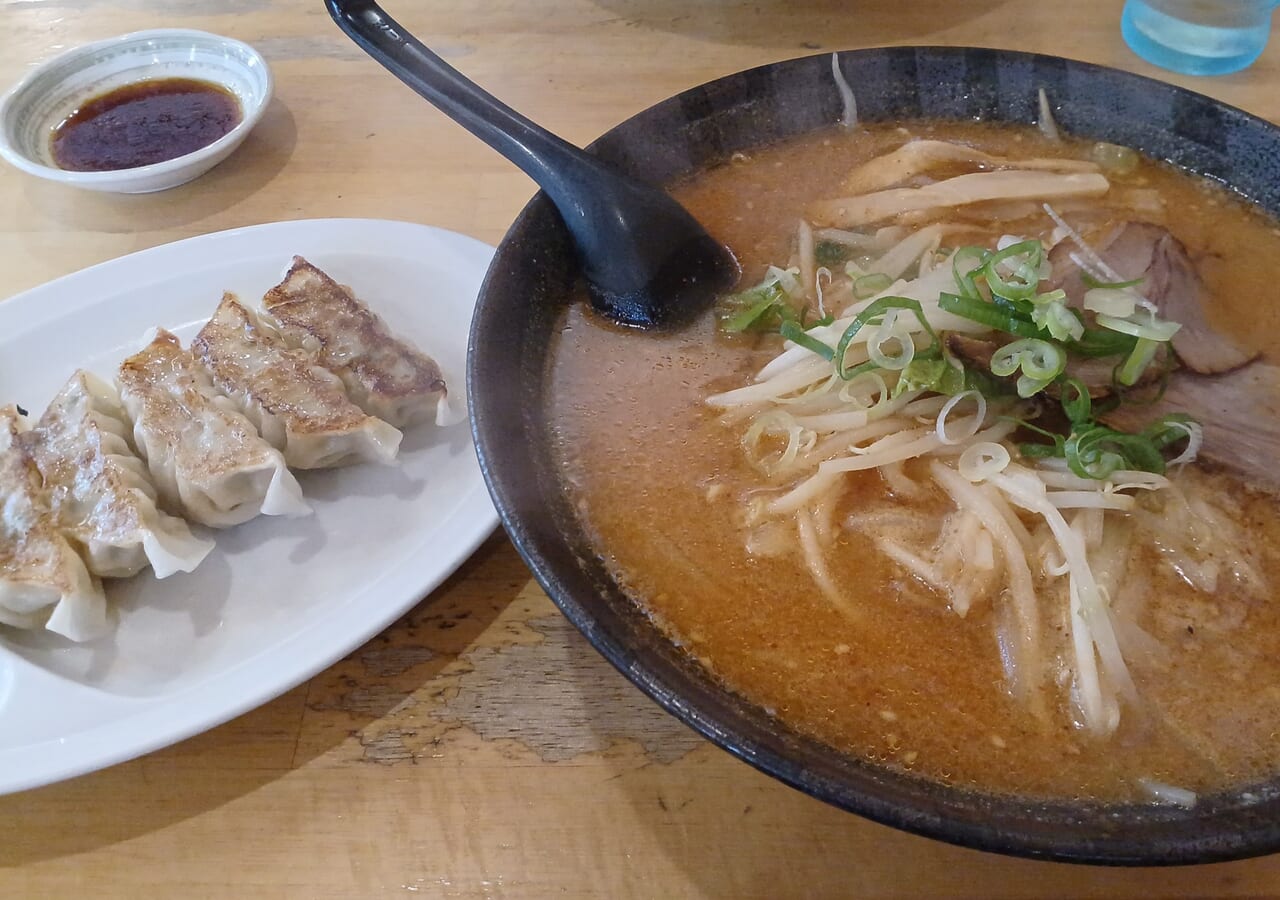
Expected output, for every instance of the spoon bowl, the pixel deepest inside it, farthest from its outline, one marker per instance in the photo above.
(648, 263)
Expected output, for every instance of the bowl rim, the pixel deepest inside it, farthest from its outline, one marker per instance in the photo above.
(251, 113)
(880, 801)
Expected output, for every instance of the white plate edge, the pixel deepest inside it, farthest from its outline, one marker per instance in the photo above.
(471, 521)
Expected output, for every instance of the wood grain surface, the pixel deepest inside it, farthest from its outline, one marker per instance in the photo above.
(479, 747)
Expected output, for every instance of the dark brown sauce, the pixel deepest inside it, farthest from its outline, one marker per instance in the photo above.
(144, 123)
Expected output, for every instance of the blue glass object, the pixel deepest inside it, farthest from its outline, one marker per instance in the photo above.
(1198, 37)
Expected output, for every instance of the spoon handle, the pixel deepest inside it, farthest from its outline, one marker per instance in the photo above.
(543, 156)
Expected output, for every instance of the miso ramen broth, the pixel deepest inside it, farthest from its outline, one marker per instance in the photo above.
(880, 663)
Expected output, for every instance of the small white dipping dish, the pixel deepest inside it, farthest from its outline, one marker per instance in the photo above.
(49, 93)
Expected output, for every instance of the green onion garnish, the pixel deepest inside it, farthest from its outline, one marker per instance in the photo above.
(869, 285)
(922, 375)
(1168, 430)
(1153, 329)
(1099, 451)
(1039, 451)
(752, 307)
(1024, 257)
(1076, 402)
(795, 332)
(1091, 282)
(965, 277)
(1098, 342)
(1052, 314)
(989, 314)
(1144, 350)
(1040, 362)
(875, 312)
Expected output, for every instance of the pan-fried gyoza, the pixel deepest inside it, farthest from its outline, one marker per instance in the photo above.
(301, 409)
(98, 488)
(43, 582)
(384, 376)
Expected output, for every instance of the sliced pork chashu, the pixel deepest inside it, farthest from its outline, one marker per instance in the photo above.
(1238, 410)
(300, 408)
(1169, 280)
(384, 375)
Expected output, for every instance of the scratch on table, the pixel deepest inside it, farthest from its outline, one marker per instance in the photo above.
(388, 747)
(373, 701)
(387, 662)
(560, 699)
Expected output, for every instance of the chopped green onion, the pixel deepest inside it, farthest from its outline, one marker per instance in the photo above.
(874, 311)
(922, 375)
(1154, 329)
(1024, 257)
(1099, 451)
(869, 285)
(1049, 297)
(965, 274)
(786, 278)
(794, 332)
(1111, 301)
(1139, 358)
(1091, 282)
(1040, 451)
(1057, 318)
(1168, 430)
(989, 314)
(818, 323)
(1094, 452)
(1046, 331)
(1039, 361)
(1022, 308)
(955, 378)
(1098, 342)
(1076, 402)
(758, 302)
(885, 332)
(976, 379)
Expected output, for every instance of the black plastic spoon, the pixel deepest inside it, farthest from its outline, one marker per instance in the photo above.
(648, 262)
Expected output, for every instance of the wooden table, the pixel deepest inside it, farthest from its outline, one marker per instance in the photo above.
(480, 748)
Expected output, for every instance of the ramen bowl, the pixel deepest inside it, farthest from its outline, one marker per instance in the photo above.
(535, 275)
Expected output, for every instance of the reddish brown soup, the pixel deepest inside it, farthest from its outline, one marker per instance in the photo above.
(905, 682)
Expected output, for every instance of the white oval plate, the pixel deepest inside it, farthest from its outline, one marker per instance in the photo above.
(279, 599)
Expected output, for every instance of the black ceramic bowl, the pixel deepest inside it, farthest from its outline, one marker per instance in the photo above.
(535, 272)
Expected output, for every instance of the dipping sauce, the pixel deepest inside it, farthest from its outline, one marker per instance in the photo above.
(144, 123)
